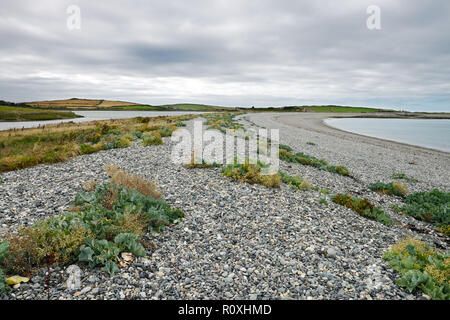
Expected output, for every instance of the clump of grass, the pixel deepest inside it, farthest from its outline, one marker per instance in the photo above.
(222, 121)
(2, 181)
(295, 182)
(323, 201)
(325, 191)
(204, 164)
(394, 188)
(251, 173)
(132, 182)
(363, 207)
(104, 223)
(152, 139)
(421, 267)
(285, 154)
(90, 185)
(430, 206)
(311, 143)
(402, 176)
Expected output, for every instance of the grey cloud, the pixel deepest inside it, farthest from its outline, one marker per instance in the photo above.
(265, 53)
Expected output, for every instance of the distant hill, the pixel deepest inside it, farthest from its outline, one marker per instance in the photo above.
(91, 104)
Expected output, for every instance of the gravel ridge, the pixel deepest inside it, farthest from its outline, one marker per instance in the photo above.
(237, 241)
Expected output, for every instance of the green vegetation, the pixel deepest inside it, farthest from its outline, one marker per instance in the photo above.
(430, 206)
(402, 176)
(325, 191)
(363, 207)
(30, 114)
(311, 143)
(421, 268)
(394, 188)
(103, 224)
(323, 201)
(151, 139)
(202, 165)
(305, 159)
(55, 143)
(251, 173)
(222, 121)
(295, 182)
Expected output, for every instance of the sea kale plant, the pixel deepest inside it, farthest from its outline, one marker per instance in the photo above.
(430, 206)
(102, 224)
(422, 268)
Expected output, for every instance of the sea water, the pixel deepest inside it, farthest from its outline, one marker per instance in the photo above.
(429, 133)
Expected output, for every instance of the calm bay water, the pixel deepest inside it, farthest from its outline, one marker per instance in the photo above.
(429, 133)
(95, 115)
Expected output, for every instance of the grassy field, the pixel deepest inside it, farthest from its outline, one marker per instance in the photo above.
(90, 104)
(55, 143)
(75, 103)
(8, 113)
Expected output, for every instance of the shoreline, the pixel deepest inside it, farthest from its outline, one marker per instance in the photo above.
(383, 139)
(322, 125)
(371, 159)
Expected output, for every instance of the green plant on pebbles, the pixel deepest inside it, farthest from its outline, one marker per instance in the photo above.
(422, 268)
(102, 224)
(222, 121)
(430, 206)
(394, 188)
(152, 139)
(285, 154)
(363, 207)
(295, 182)
(402, 176)
(251, 173)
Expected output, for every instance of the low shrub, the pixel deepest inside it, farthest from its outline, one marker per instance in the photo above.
(285, 154)
(296, 182)
(251, 173)
(430, 206)
(103, 224)
(363, 207)
(421, 267)
(152, 139)
(394, 188)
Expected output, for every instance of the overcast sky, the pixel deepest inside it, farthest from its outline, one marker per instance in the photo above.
(230, 53)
